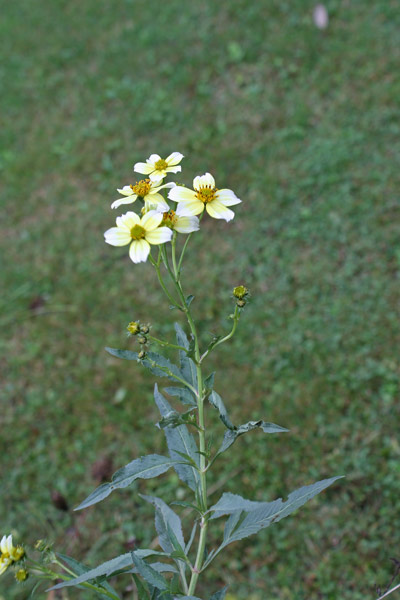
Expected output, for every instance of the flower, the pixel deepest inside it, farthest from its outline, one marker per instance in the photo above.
(180, 224)
(133, 327)
(205, 194)
(240, 292)
(9, 553)
(147, 191)
(139, 233)
(21, 575)
(157, 167)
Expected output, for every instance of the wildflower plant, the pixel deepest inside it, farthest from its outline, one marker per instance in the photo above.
(160, 232)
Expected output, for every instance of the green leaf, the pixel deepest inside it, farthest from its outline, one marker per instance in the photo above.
(174, 419)
(192, 536)
(80, 569)
(184, 395)
(179, 440)
(253, 517)
(148, 573)
(220, 595)
(143, 594)
(107, 569)
(231, 436)
(189, 300)
(166, 518)
(209, 382)
(161, 366)
(216, 401)
(141, 468)
(187, 366)
(125, 354)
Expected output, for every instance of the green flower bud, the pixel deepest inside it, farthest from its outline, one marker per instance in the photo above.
(133, 327)
(241, 303)
(142, 339)
(144, 329)
(240, 292)
(21, 575)
(142, 354)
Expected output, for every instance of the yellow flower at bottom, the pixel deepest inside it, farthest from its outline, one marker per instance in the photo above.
(204, 196)
(139, 233)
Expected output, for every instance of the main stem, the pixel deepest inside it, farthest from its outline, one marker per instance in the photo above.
(175, 275)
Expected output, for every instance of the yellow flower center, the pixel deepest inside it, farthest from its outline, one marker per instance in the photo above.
(141, 188)
(206, 194)
(170, 219)
(137, 232)
(161, 165)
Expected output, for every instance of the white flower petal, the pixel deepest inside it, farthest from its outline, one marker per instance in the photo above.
(3, 544)
(159, 236)
(174, 159)
(157, 201)
(125, 191)
(157, 176)
(173, 169)
(227, 197)
(218, 211)
(151, 220)
(117, 237)
(189, 208)
(128, 220)
(180, 194)
(141, 167)
(127, 200)
(9, 544)
(139, 251)
(187, 224)
(156, 188)
(153, 158)
(203, 180)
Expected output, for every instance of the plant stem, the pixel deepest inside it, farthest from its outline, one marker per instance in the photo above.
(236, 318)
(201, 422)
(161, 281)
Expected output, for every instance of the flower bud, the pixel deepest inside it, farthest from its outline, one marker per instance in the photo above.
(142, 339)
(241, 303)
(240, 292)
(21, 575)
(142, 354)
(133, 327)
(144, 329)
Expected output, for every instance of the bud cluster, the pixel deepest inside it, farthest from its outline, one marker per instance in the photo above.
(241, 293)
(135, 328)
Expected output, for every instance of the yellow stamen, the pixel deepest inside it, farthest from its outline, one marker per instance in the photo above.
(170, 219)
(206, 194)
(137, 232)
(141, 188)
(161, 165)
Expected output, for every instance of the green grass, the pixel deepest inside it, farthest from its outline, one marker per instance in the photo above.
(303, 125)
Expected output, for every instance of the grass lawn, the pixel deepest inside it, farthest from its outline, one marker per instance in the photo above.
(304, 125)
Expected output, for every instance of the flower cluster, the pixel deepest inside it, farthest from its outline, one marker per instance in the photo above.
(158, 222)
(9, 554)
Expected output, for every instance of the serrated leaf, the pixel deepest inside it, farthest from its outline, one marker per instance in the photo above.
(184, 395)
(209, 382)
(145, 467)
(243, 523)
(231, 436)
(187, 366)
(166, 518)
(174, 419)
(108, 568)
(148, 573)
(220, 595)
(216, 401)
(79, 569)
(124, 354)
(143, 594)
(179, 440)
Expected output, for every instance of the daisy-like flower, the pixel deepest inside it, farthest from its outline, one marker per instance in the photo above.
(157, 168)
(9, 553)
(205, 195)
(180, 224)
(139, 233)
(147, 190)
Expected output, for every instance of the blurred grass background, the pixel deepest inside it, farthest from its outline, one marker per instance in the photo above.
(304, 125)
